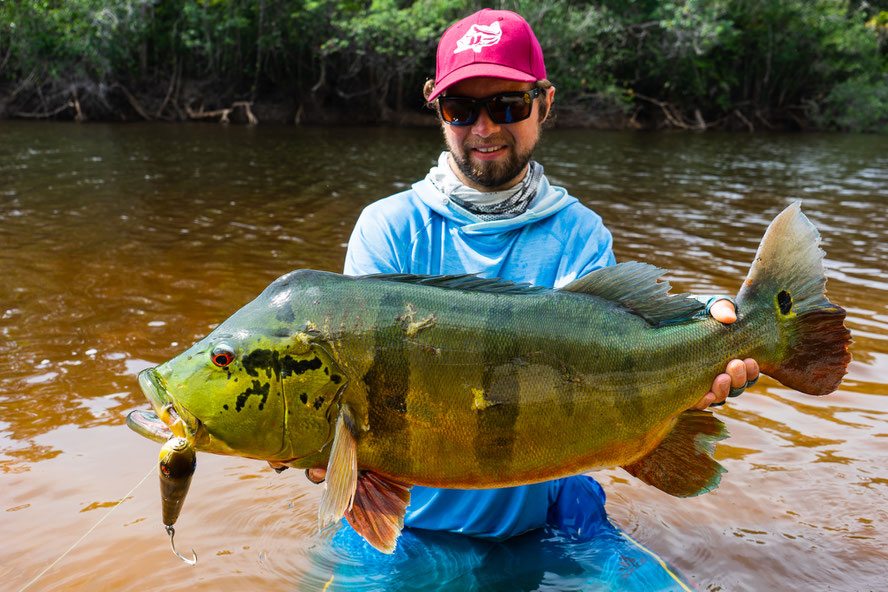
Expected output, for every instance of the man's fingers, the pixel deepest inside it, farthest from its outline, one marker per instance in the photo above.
(737, 371)
(738, 375)
(720, 387)
(705, 402)
(752, 370)
(723, 311)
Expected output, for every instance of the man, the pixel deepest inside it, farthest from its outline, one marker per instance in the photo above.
(487, 208)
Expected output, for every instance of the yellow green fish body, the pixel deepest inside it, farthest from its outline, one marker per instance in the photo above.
(458, 381)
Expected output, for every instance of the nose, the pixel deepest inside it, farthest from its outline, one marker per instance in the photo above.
(484, 126)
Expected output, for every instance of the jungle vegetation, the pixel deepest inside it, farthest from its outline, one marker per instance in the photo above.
(695, 64)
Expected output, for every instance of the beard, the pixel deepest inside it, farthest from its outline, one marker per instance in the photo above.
(491, 175)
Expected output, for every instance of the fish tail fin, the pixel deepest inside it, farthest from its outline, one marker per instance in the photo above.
(806, 343)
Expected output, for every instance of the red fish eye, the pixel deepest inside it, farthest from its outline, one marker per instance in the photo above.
(222, 355)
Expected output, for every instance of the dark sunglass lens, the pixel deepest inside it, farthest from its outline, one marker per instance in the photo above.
(509, 108)
(457, 111)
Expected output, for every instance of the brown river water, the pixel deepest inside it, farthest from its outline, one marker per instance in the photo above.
(120, 245)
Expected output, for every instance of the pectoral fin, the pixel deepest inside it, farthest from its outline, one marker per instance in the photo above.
(378, 510)
(682, 464)
(342, 472)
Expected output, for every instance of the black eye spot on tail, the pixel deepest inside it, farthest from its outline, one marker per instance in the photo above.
(784, 301)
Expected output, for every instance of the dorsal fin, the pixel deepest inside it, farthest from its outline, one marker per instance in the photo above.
(635, 286)
(466, 281)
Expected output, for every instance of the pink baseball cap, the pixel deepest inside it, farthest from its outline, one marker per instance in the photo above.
(496, 43)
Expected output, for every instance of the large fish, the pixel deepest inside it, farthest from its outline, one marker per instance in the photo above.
(464, 382)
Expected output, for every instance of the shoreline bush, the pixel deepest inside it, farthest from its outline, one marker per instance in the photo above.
(645, 64)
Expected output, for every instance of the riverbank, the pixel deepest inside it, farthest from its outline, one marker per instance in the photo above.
(181, 101)
(706, 64)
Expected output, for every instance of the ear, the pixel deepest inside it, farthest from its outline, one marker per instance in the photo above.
(549, 98)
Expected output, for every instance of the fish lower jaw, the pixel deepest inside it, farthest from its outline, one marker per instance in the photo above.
(147, 424)
(163, 425)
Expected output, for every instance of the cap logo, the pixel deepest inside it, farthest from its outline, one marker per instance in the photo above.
(478, 37)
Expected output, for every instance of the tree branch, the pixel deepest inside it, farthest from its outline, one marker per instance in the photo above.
(667, 111)
(132, 101)
(742, 118)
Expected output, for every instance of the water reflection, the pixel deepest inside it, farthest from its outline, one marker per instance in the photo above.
(124, 244)
(547, 559)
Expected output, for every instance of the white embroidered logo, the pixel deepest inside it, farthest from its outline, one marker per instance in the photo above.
(479, 36)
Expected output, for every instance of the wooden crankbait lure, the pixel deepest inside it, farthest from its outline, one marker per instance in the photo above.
(175, 467)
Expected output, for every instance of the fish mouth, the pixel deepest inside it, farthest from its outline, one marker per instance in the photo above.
(168, 418)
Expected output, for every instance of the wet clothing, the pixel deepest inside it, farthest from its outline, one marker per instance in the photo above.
(588, 553)
(553, 242)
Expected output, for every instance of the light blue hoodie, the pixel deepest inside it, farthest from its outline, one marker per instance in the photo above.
(554, 242)
(421, 231)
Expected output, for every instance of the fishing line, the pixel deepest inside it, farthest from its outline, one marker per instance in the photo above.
(86, 534)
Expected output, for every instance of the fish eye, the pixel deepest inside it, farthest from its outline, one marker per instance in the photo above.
(222, 355)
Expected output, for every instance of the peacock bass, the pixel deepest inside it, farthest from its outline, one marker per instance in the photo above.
(465, 382)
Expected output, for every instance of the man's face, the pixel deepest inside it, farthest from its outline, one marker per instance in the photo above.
(492, 156)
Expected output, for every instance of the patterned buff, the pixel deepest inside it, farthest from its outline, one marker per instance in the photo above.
(491, 205)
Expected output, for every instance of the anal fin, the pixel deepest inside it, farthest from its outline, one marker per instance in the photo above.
(378, 510)
(682, 464)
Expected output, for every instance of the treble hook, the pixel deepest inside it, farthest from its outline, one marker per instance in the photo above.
(172, 531)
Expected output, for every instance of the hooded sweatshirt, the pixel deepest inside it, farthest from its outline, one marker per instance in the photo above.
(421, 231)
(556, 240)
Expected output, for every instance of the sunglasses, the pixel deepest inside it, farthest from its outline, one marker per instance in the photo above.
(507, 107)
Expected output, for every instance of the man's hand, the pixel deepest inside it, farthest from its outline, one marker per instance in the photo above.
(738, 375)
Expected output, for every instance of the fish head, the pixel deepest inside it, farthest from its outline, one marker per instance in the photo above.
(254, 387)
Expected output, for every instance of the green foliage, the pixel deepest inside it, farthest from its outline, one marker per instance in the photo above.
(64, 39)
(824, 60)
(879, 26)
(371, 46)
(584, 46)
(770, 59)
(857, 105)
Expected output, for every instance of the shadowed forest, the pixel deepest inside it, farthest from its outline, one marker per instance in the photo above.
(616, 64)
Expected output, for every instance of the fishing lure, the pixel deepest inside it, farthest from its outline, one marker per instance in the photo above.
(175, 467)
